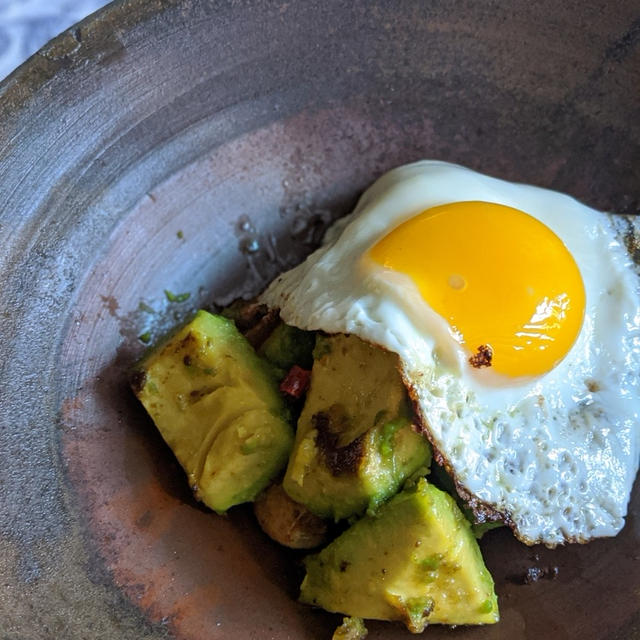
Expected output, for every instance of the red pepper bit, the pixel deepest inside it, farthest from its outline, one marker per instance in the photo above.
(296, 382)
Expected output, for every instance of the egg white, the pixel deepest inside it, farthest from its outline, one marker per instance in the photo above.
(554, 456)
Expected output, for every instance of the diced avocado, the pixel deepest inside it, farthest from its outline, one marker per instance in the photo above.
(444, 481)
(351, 629)
(415, 561)
(287, 346)
(217, 405)
(255, 321)
(355, 445)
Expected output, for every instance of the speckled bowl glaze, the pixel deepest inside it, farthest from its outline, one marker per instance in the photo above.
(202, 147)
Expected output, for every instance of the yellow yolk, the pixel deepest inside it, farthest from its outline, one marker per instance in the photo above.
(500, 277)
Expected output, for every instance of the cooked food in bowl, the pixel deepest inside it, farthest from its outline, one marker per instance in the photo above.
(545, 433)
(491, 325)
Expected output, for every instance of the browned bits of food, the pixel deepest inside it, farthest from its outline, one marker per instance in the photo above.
(592, 385)
(254, 320)
(296, 382)
(261, 331)
(138, 380)
(482, 357)
(287, 522)
(245, 313)
(340, 460)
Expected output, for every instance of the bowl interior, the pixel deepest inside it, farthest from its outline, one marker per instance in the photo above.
(202, 149)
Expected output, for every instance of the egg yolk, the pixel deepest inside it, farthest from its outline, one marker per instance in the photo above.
(509, 288)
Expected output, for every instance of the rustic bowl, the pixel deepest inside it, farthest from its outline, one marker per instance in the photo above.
(202, 147)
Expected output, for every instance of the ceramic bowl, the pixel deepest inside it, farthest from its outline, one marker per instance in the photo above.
(202, 147)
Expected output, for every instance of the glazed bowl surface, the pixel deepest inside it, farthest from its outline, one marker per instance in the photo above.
(202, 148)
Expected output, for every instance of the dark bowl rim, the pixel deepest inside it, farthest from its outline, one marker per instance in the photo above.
(70, 48)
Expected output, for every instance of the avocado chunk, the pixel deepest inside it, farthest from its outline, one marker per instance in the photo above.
(443, 480)
(287, 346)
(217, 405)
(355, 444)
(351, 629)
(416, 561)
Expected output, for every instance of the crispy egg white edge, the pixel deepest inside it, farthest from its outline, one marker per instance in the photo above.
(554, 457)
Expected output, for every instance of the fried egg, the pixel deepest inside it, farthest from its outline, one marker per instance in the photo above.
(515, 312)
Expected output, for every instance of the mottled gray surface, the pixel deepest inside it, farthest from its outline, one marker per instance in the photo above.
(26, 25)
(164, 116)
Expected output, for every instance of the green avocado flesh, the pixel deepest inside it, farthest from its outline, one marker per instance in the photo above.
(287, 346)
(350, 629)
(355, 445)
(416, 561)
(444, 481)
(217, 405)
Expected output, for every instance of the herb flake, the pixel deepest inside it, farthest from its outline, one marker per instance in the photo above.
(176, 297)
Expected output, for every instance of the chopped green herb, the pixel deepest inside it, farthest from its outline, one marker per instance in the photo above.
(250, 445)
(145, 337)
(388, 433)
(486, 606)
(143, 306)
(419, 610)
(176, 297)
(432, 562)
(180, 235)
(350, 629)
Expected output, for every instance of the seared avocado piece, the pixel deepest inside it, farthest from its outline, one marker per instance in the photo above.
(217, 405)
(444, 481)
(254, 320)
(355, 444)
(415, 561)
(287, 346)
(350, 629)
(288, 522)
